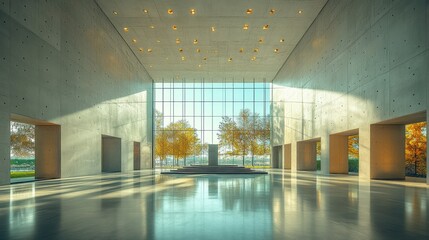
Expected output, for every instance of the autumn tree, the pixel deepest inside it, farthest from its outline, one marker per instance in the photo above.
(353, 146)
(415, 148)
(22, 139)
(183, 140)
(248, 135)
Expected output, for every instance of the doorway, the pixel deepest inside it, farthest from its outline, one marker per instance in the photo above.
(22, 152)
(110, 154)
(35, 149)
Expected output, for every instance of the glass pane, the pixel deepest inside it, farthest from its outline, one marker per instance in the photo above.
(218, 94)
(198, 94)
(248, 94)
(178, 95)
(198, 123)
(189, 94)
(166, 85)
(189, 109)
(208, 109)
(259, 94)
(248, 85)
(216, 122)
(229, 95)
(218, 85)
(178, 109)
(229, 109)
(167, 94)
(238, 106)
(249, 105)
(259, 108)
(158, 94)
(168, 110)
(158, 106)
(218, 109)
(238, 95)
(198, 109)
(208, 123)
(238, 84)
(208, 95)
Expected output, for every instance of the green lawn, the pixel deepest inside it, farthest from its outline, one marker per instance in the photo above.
(22, 174)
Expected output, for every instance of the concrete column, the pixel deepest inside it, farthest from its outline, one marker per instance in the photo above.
(4, 149)
(287, 156)
(306, 156)
(338, 154)
(387, 151)
(213, 154)
(365, 152)
(48, 151)
(111, 154)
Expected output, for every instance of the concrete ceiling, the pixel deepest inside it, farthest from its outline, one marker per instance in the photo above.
(228, 52)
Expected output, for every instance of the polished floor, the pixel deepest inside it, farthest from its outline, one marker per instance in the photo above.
(280, 205)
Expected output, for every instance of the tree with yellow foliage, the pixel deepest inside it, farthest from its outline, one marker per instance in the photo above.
(415, 148)
(183, 140)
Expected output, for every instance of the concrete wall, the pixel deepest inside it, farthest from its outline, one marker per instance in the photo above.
(63, 62)
(360, 63)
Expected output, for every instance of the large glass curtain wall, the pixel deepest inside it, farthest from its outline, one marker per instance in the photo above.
(191, 115)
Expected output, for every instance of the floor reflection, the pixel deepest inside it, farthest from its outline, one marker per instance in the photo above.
(147, 205)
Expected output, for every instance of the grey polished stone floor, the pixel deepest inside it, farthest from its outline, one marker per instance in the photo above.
(280, 205)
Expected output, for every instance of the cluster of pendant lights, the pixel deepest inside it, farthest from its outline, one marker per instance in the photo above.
(192, 11)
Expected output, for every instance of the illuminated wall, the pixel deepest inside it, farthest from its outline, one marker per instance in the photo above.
(62, 62)
(360, 63)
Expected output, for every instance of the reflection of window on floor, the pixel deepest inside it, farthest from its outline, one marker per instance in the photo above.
(189, 116)
(353, 153)
(22, 146)
(415, 149)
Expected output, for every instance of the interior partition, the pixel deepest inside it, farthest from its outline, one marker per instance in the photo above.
(276, 157)
(307, 155)
(48, 151)
(111, 154)
(387, 151)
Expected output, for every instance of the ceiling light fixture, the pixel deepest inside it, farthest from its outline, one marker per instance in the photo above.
(145, 11)
(261, 40)
(141, 49)
(204, 58)
(198, 50)
(241, 50)
(149, 50)
(272, 11)
(177, 40)
(170, 11)
(180, 49)
(134, 40)
(199, 65)
(282, 40)
(255, 50)
(246, 26)
(174, 27)
(276, 50)
(158, 41)
(195, 41)
(229, 59)
(192, 11)
(253, 58)
(265, 27)
(249, 11)
(152, 26)
(300, 11)
(213, 29)
(126, 29)
(183, 58)
(115, 13)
